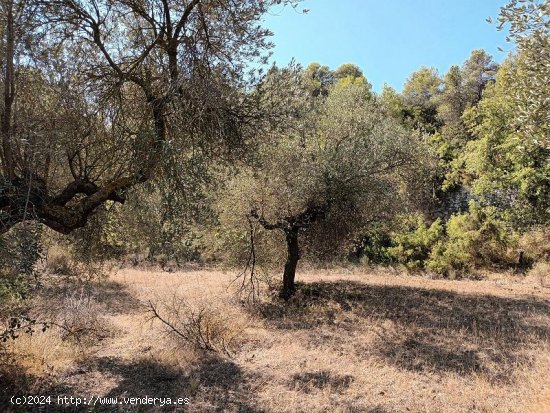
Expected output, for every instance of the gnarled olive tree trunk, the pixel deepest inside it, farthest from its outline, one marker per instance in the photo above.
(292, 226)
(293, 255)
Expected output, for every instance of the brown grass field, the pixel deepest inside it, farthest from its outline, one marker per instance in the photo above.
(350, 341)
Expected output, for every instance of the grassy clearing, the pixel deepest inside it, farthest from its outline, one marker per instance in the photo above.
(349, 341)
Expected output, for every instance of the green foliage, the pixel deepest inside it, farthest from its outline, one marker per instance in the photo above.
(528, 23)
(477, 72)
(12, 291)
(463, 87)
(474, 239)
(30, 247)
(477, 238)
(314, 139)
(344, 162)
(413, 243)
(318, 79)
(21, 249)
(348, 70)
(393, 102)
(372, 248)
(422, 86)
(152, 224)
(420, 93)
(229, 242)
(507, 163)
(500, 165)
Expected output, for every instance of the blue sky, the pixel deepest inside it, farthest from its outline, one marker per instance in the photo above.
(387, 39)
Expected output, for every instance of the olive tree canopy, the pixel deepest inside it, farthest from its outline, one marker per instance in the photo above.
(96, 92)
(329, 171)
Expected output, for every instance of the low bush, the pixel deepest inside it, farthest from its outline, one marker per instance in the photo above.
(203, 326)
(77, 267)
(536, 245)
(540, 273)
(413, 244)
(473, 239)
(59, 262)
(21, 249)
(79, 318)
(14, 295)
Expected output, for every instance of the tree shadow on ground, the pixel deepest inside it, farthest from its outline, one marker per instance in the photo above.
(116, 298)
(16, 381)
(310, 381)
(430, 329)
(214, 385)
(112, 296)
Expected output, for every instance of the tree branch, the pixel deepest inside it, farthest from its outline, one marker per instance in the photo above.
(181, 23)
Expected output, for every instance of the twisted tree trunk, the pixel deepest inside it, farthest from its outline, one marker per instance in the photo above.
(293, 255)
(291, 226)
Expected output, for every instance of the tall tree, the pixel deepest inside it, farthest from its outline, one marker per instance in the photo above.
(126, 81)
(326, 183)
(500, 166)
(478, 71)
(319, 79)
(528, 23)
(348, 70)
(420, 93)
(508, 162)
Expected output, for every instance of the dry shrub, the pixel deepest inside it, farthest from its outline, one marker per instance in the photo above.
(203, 326)
(540, 273)
(89, 271)
(80, 318)
(86, 272)
(74, 315)
(536, 244)
(58, 333)
(59, 262)
(42, 353)
(33, 356)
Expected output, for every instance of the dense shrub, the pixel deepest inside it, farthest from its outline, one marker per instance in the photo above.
(21, 249)
(473, 239)
(13, 290)
(372, 248)
(412, 245)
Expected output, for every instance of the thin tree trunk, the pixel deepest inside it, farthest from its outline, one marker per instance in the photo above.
(5, 128)
(293, 255)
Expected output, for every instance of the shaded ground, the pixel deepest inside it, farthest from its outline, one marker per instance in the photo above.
(433, 329)
(346, 343)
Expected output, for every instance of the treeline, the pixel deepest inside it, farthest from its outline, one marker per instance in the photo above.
(443, 177)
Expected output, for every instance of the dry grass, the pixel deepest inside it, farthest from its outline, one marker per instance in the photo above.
(375, 342)
(59, 261)
(540, 273)
(207, 326)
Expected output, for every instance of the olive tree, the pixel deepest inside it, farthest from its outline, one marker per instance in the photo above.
(98, 93)
(328, 172)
